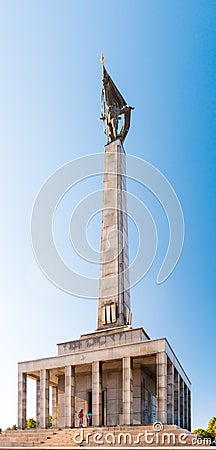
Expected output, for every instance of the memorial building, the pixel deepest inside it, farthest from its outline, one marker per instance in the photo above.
(117, 373)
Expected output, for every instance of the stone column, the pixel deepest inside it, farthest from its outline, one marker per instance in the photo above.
(186, 406)
(61, 401)
(170, 393)
(127, 391)
(182, 420)
(96, 393)
(54, 406)
(44, 398)
(69, 396)
(138, 396)
(114, 294)
(189, 410)
(37, 403)
(22, 392)
(177, 398)
(162, 387)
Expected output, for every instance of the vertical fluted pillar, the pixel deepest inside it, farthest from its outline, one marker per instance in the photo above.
(69, 396)
(170, 393)
(127, 393)
(177, 398)
(182, 409)
(22, 394)
(162, 387)
(96, 393)
(189, 410)
(37, 403)
(44, 398)
(54, 406)
(186, 406)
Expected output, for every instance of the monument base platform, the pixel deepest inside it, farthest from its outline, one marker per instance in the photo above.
(104, 437)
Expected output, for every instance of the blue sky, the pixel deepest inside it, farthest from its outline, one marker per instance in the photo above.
(161, 54)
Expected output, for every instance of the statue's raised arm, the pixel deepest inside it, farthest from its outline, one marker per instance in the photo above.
(112, 108)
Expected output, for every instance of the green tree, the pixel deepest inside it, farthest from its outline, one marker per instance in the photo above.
(211, 428)
(30, 423)
(14, 427)
(201, 432)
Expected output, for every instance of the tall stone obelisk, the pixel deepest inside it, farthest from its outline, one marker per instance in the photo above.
(114, 294)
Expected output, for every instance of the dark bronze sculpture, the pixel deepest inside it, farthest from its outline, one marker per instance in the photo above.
(113, 106)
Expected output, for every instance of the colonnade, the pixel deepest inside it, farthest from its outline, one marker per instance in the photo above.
(173, 395)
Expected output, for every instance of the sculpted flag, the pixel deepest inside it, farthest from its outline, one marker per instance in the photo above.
(112, 94)
(113, 106)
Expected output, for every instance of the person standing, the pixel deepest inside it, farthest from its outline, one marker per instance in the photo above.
(88, 419)
(81, 416)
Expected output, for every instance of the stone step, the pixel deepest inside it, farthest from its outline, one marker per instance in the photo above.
(125, 436)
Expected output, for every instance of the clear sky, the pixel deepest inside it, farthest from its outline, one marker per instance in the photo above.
(161, 54)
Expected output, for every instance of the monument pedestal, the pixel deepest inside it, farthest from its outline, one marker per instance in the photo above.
(119, 375)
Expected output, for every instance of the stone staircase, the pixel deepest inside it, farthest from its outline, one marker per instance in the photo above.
(118, 436)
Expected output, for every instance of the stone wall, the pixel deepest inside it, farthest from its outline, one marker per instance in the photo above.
(103, 340)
